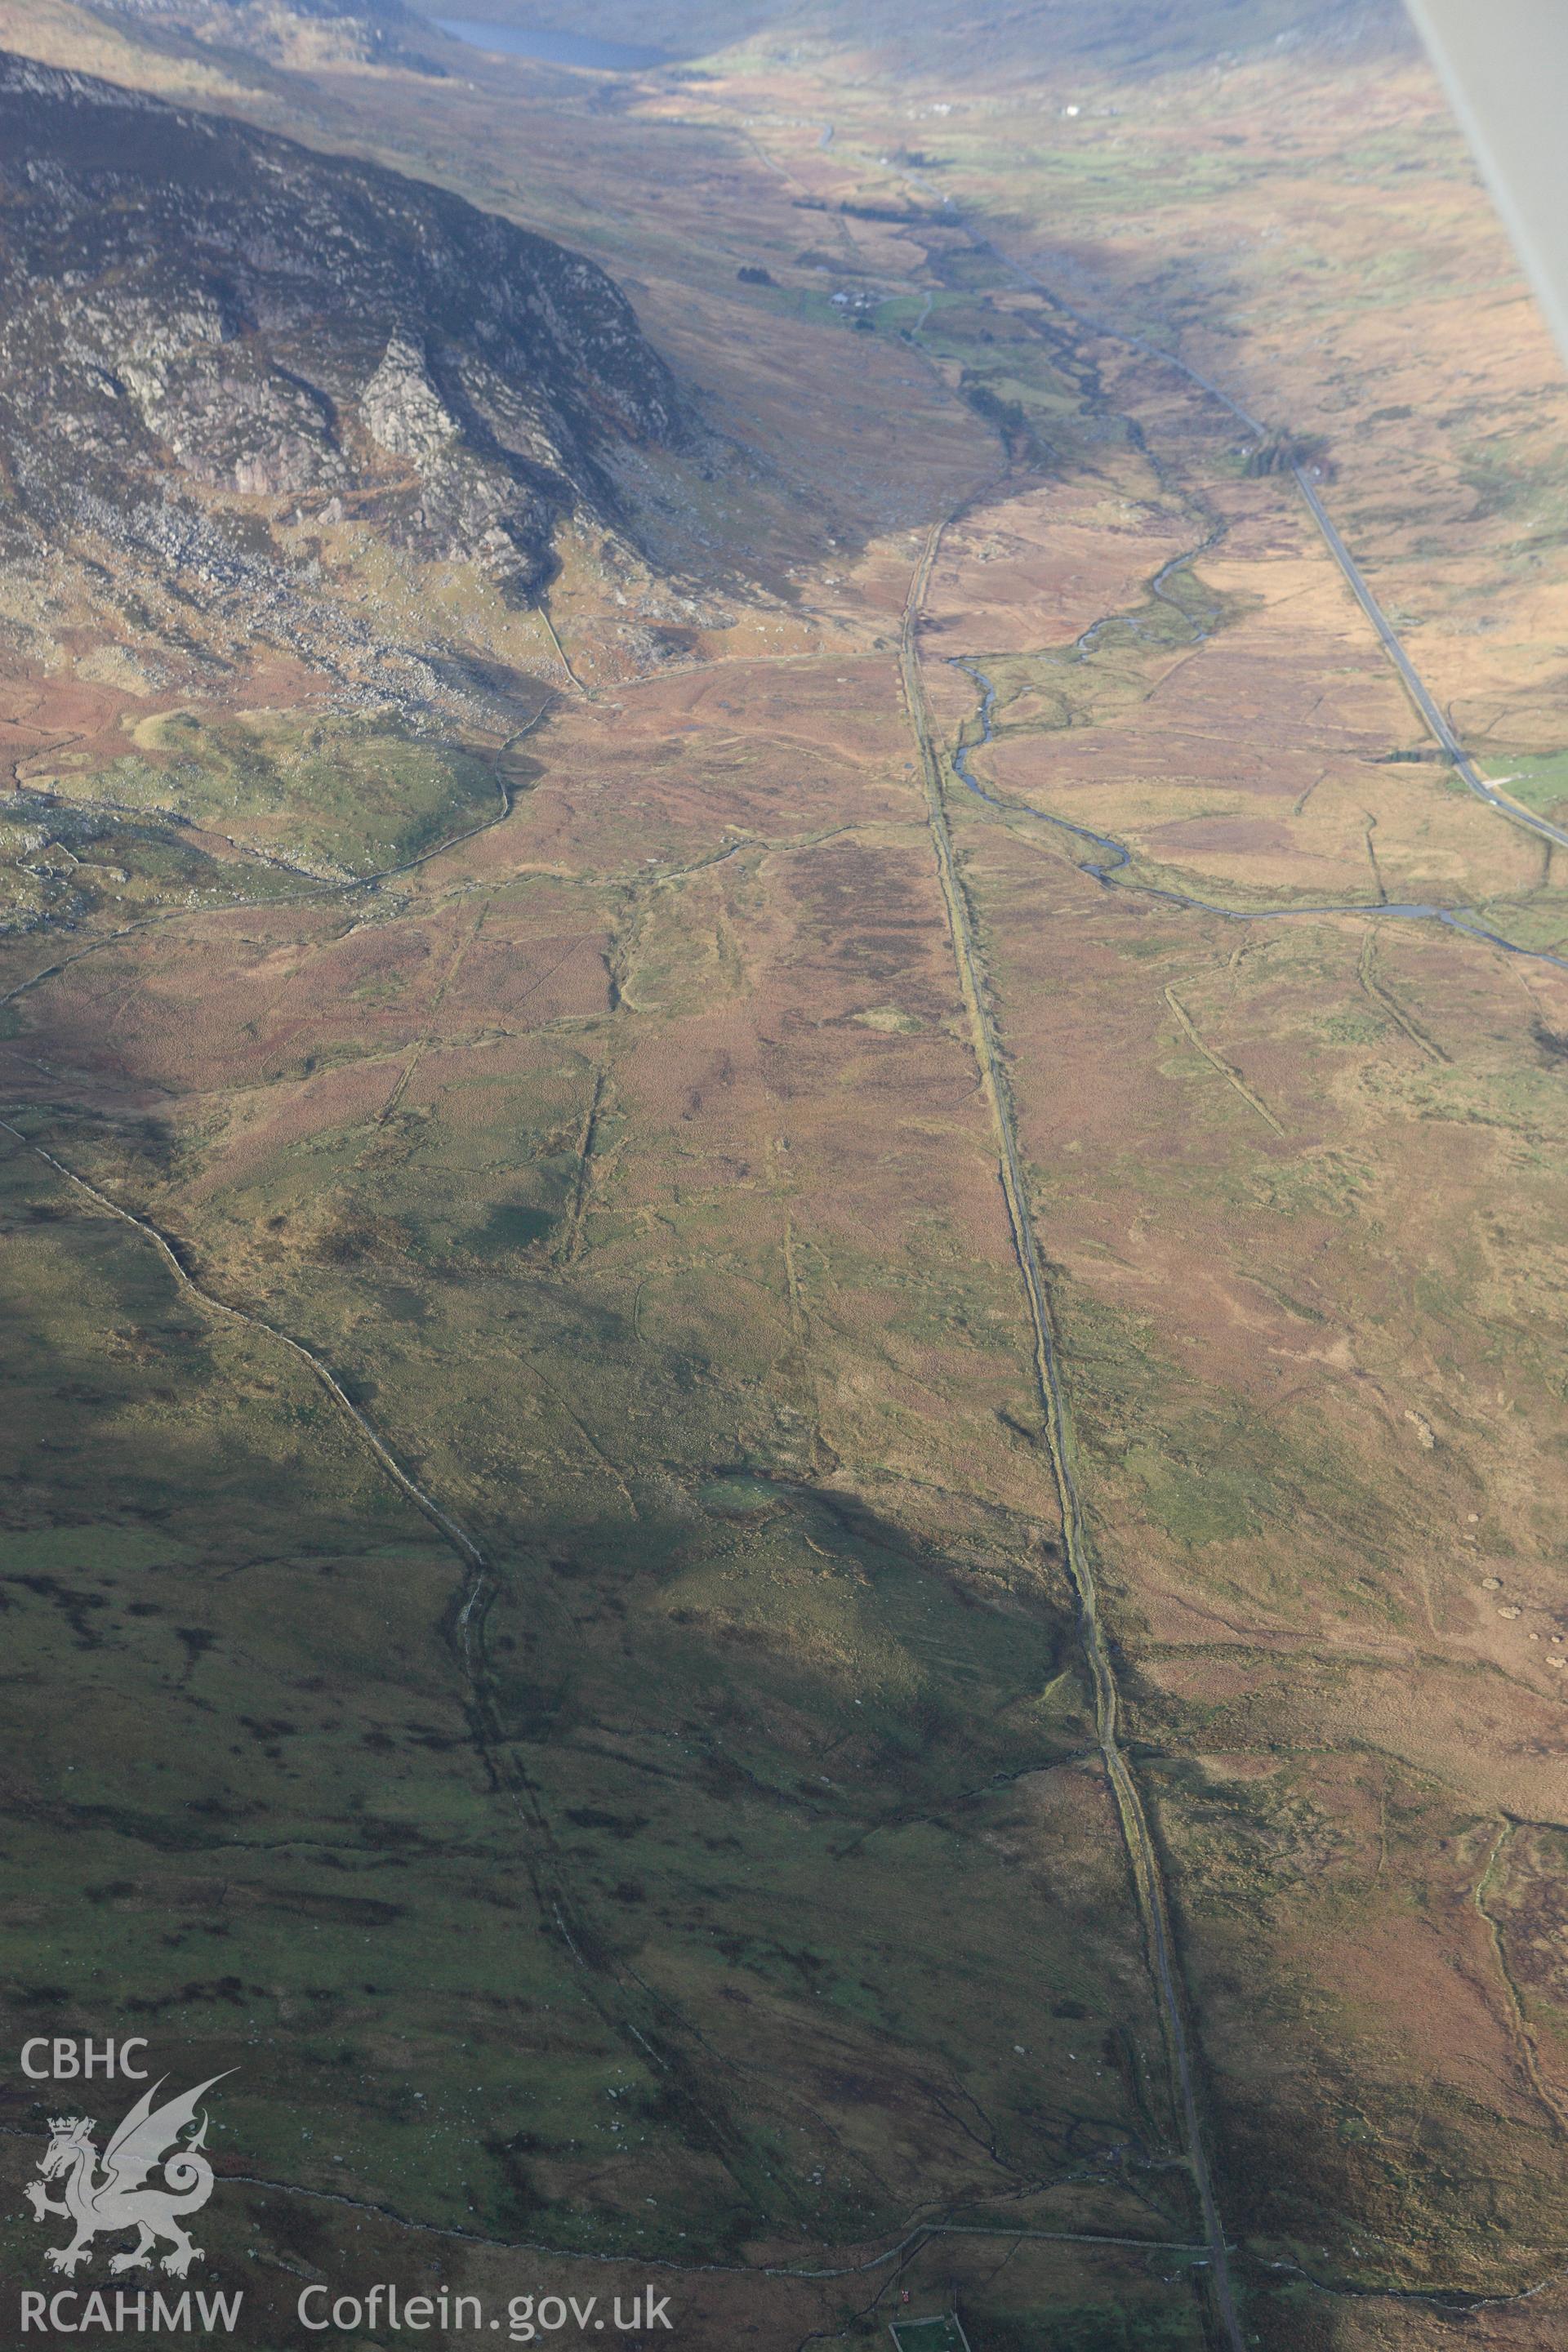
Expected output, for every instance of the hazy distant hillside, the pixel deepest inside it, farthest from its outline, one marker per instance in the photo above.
(294, 32)
(955, 36)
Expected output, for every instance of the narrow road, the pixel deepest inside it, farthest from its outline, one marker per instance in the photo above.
(1414, 684)
(1148, 1880)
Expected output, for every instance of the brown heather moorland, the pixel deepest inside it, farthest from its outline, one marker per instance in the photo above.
(672, 1832)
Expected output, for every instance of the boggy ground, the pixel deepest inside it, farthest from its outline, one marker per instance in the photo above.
(723, 1874)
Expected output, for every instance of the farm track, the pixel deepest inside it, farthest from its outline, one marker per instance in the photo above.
(1143, 1858)
(1107, 870)
(1148, 1878)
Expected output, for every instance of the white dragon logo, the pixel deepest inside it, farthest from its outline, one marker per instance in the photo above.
(116, 2199)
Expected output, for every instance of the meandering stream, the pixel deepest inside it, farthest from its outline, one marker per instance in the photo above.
(1110, 867)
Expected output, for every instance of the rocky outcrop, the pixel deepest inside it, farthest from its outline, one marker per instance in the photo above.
(194, 315)
(402, 409)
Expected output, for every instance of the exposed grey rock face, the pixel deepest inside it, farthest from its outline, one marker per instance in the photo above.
(188, 307)
(231, 420)
(402, 409)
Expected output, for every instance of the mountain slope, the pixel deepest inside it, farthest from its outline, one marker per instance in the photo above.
(212, 336)
(298, 33)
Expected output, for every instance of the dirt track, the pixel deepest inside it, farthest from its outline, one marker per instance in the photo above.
(1147, 1876)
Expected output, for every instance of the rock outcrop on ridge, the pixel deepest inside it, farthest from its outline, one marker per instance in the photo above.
(197, 317)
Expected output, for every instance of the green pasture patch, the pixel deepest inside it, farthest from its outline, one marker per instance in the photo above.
(61, 863)
(943, 2333)
(1539, 782)
(1529, 488)
(1149, 2322)
(1539, 921)
(738, 1498)
(1198, 1505)
(344, 792)
(1115, 663)
(900, 312)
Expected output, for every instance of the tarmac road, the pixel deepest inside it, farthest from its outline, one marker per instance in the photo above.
(1414, 684)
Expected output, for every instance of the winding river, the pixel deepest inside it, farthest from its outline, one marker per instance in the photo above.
(1109, 866)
